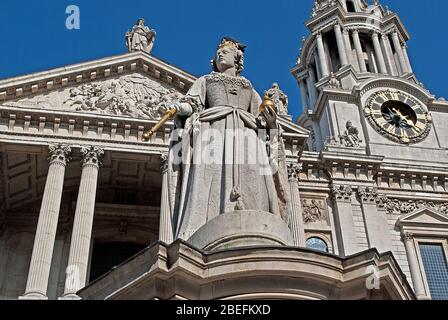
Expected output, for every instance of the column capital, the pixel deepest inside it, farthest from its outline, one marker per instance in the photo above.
(370, 195)
(164, 162)
(342, 193)
(375, 33)
(407, 236)
(355, 30)
(59, 153)
(92, 155)
(294, 170)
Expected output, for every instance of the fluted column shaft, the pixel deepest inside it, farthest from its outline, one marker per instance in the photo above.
(322, 56)
(76, 277)
(389, 56)
(379, 53)
(340, 43)
(399, 51)
(406, 57)
(303, 95)
(166, 221)
(296, 212)
(414, 266)
(310, 85)
(359, 52)
(348, 48)
(39, 272)
(312, 78)
(318, 68)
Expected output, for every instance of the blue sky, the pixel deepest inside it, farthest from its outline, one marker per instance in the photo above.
(34, 36)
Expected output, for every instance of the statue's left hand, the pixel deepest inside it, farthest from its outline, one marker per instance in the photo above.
(271, 118)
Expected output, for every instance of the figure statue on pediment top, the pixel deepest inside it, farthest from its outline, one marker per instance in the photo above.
(141, 38)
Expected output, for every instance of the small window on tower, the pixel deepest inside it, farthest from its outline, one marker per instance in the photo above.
(350, 6)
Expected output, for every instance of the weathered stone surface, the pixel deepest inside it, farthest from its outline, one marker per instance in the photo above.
(132, 95)
(242, 229)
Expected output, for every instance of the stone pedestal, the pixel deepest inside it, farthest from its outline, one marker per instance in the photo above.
(242, 229)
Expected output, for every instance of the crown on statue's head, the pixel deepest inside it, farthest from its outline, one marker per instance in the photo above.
(226, 41)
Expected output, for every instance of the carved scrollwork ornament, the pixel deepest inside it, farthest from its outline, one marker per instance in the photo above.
(371, 195)
(294, 170)
(342, 193)
(164, 162)
(92, 156)
(59, 153)
(399, 207)
(313, 210)
(407, 236)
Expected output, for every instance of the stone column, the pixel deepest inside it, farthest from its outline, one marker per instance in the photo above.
(314, 92)
(322, 56)
(389, 56)
(348, 46)
(340, 43)
(296, 212)
(399, 51)
(310, 85)
(414, 266)
(318, 68)
(303, 95)
(406, 56)
(166, 221)
(39, 272)
(359, 52)
(342, 198)
(377, 227)
(379, 53)
(76, 275)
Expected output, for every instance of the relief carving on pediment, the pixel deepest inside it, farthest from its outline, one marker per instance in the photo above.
(133, 95)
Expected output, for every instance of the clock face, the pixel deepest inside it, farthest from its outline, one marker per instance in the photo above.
(398, 116)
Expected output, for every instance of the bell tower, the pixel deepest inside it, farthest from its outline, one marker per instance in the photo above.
(358, 89)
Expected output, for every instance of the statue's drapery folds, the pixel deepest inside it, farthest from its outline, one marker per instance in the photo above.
(230, 159)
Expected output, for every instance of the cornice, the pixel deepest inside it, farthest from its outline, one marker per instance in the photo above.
(55, 79)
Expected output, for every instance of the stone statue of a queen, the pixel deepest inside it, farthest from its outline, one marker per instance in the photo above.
(228, 156)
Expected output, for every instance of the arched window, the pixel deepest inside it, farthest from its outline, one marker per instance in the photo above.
(316, 243)
(350, 6)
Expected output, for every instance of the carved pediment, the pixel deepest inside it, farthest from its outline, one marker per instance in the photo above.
(132, 95)
(290, 127)
(424, 217)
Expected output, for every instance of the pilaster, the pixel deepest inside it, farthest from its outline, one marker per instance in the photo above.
(342, 199)
(296, 211)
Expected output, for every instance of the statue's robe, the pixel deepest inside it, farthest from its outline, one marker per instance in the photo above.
(229, 168)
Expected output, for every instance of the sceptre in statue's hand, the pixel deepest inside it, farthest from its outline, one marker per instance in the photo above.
(169, 114)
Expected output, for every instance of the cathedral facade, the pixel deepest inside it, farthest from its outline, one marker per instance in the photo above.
(87, 205)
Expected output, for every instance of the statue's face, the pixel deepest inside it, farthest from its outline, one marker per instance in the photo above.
(225, 58)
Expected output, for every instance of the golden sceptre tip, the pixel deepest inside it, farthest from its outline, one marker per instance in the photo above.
(267, 103)
(168, 115)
